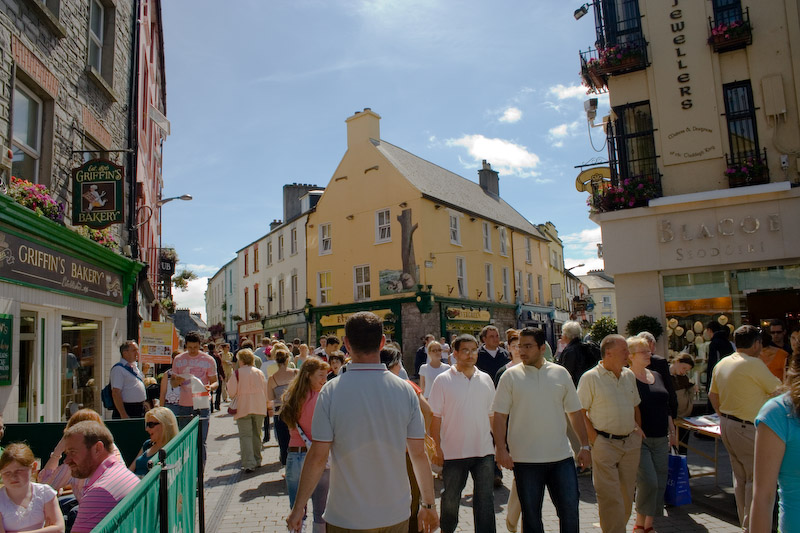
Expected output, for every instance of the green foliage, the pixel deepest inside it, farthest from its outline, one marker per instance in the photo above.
(642, 323)
(181, 279)
(602, 328)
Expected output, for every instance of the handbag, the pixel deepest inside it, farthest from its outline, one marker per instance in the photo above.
(678, 490)
(232, 407)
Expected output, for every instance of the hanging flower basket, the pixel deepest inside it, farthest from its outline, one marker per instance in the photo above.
(725, 37)
(36, 198)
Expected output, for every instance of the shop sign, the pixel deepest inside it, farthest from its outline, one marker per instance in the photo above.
(339, 320)
(250, 327)
(468, 315)
(27, 262)
(6, 338)
(156, 342)
(97, 194)
(283, 321)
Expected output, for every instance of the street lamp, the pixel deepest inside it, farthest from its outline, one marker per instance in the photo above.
(185, 197)
(566, 292)
(576, 266)
(581, 11)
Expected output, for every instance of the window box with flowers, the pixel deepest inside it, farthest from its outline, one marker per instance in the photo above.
(103, 237)
(630, 193)
(36, 198)
(620, 58)
(731, 35)
(751, 171)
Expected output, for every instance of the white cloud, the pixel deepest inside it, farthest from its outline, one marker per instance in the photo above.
(561, 132)
(581, 247)
(564, 92)
(198, 269)
(505, 156)
(588, 264)
(584, 240)
(194, 298)
(511, 115)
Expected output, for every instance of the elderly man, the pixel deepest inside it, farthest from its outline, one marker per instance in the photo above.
(88, 447)
(127, 383)
(740, 385)
(610, 403)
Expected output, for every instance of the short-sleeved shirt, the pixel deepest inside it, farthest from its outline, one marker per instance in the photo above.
(464, 405)
(16, 518)
(202, 366)
(744, 384)
(306, 419)
(778, 413)
(536, 398)
(609, 401)
(104, 489)
(367, 413)
(132, 386)
(430, 374)
(654, 407)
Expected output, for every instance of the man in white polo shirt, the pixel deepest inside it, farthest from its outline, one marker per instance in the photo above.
(127, 383)
(461, 400)
(532, 396)
(366, 419)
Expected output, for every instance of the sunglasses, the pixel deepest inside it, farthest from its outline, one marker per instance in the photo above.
(151, 425)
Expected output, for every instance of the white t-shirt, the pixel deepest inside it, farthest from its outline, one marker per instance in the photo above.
(430, 373)
(464, 405)
(16, 518)
(132, 387)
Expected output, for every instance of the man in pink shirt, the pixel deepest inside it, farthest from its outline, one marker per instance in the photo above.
(89, 455)
(202, 366)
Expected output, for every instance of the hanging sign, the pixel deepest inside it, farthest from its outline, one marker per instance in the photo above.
(97, 196)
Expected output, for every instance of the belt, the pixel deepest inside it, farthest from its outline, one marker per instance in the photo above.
(735, 419)
(610, 436)
(299, 449)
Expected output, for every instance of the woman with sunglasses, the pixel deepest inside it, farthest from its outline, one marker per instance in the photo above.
(161, 424)
(24, 505)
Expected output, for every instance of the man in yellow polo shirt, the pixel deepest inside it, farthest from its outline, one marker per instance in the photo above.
(741, 383)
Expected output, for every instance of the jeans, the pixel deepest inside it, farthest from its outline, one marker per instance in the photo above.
(250, 440)
(282, 435)
(294, 465)
(561, 481)
(188, 410)
(454, 476)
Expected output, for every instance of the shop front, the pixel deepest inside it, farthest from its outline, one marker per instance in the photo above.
(460, 318)
(251, 330)
(287, 327)
(63, 316)
(536, 316)
(331, 320)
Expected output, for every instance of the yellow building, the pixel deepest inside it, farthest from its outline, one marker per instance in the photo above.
(704, 138)
(556, 277)
(430, 251)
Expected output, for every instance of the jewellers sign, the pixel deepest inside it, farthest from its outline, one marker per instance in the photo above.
(27, 262)
(97, 194)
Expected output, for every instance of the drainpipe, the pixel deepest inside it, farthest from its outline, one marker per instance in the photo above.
(133, 155)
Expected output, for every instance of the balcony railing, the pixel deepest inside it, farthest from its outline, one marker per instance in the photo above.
(730, 32)
(614, 59)
(747, 169)
(593, 80)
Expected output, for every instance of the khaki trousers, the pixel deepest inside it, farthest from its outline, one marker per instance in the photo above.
(402, 527)
(614, 466)
(740, 439)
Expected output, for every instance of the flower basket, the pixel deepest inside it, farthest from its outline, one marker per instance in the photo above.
(630, 193)
(36, 198)
(752, 171)
(725, 37)
(625, 64)
(620, 58)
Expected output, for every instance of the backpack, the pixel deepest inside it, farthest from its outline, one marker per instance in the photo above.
(105, 394)
(590, 356)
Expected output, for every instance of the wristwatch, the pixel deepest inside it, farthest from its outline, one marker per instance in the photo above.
(426, 505)
(588, 448)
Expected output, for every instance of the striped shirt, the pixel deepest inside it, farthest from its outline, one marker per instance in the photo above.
(104, 489)
(62, 476)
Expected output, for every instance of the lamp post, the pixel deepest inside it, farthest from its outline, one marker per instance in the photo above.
(185, 197)
(566, 292)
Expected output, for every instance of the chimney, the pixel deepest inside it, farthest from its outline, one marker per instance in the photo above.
(363, 126)
(274, 224)
(489, 180)
(292, 195)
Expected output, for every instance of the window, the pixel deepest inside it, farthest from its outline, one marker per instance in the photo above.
(528, 254)
(519, 288)
(269, 299)
(280, 247)
(269, 253)
(741, 117)
(553, 259)
(101, 35)
(622, 21)
(540, 291)
(325, 244)
(27, 143)
(293, 241)
(281, 295)
(461, 276)
(361, 283)
(529, 295)
(295, 294)
(631, 146)
(489, 281)
(324, 287)
(246, 263)
(255, 258)
(255, 298)
(455, 229)
(383, 226)
(92, 151)
(727, 11)
(506, 284)
(607, 301)
(503, 241)
(246, 304)
(96, 30)
(487, 238)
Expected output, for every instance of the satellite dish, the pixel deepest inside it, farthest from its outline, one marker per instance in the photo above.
(593, 180)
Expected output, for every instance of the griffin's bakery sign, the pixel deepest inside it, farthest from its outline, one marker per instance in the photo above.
(27, 262)
(97, 194)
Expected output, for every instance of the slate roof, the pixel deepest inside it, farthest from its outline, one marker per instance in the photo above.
(437, 183)
(596, 282)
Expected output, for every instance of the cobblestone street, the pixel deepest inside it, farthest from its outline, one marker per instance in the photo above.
(242, 503)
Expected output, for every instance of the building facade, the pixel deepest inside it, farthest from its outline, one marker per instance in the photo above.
(426, 249)
(222, 300)
(704, 138)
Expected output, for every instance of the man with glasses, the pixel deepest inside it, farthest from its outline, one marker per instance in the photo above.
(777, 330)
(740, 385)
(539, 458)
(127, 383)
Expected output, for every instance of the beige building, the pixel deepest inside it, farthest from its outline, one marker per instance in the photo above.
(603, 294)
(700, 220)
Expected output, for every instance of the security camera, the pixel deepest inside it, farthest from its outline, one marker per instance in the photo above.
(590, 106)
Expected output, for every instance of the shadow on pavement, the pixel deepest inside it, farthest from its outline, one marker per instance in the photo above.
(275, 487)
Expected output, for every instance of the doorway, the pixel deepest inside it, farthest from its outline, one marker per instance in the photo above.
(27, 364)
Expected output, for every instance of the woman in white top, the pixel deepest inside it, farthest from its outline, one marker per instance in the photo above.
(428, 372)
(24, 505)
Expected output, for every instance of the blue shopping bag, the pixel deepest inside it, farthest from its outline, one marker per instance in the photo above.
(678, 491)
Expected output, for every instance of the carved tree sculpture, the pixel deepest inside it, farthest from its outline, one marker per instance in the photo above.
(407, 250)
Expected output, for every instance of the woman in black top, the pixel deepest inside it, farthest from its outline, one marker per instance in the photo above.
(659, 432)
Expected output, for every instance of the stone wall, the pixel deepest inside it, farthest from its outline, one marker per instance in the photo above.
(415, 326)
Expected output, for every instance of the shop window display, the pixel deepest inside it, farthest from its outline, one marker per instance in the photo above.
(80, 359)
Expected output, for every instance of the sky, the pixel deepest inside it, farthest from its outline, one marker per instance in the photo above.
(258, 92)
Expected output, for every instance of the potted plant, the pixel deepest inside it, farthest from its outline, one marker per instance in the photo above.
(103, 237)
(620, 58)
(730, 35)
(642, 323)
(630, 193)
(37, 198)
(753, 171)
(602, 328)
(167, 304)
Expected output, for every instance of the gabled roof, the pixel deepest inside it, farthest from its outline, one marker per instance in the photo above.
(596, 282)
(439, 184)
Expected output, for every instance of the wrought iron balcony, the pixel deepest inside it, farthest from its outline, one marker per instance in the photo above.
(731, 32)
(747, 169)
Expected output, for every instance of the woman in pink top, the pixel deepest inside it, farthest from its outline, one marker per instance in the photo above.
(297, 411)
(248, 386)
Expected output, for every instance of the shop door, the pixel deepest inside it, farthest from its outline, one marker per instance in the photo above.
(27, 364)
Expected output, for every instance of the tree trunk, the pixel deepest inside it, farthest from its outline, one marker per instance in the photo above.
(407, 244)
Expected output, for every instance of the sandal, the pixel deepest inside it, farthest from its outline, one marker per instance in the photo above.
(635, 528)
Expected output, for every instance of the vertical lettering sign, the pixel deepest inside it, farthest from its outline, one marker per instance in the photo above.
(97, 194)
(6, 334)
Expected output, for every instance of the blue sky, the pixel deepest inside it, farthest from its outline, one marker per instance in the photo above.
(258, 91)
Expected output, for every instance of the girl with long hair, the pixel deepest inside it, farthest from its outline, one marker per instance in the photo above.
(25, 505)
(297, 411)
